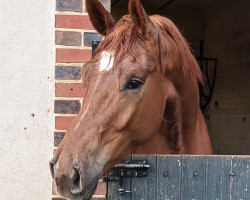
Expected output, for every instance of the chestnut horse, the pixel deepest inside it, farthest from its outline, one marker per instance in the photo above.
(140, 96)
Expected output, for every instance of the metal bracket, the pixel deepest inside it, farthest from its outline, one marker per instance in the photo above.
(129, 168)
(95, 44)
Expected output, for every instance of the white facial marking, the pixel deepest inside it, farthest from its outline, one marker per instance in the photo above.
(107, 60)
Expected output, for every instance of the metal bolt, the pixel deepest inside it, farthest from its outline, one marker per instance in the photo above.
(145, 162)
(128, 161)
(165, 174)
(94, 43)
(145, 173)
(231, 174)
(195, 174)
(111, 173)
(121, 191)
(135, 174)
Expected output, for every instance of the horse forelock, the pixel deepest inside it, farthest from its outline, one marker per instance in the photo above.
(123, 40)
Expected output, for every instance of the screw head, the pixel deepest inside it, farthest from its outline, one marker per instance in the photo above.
(165, 174)
(111, 173)
(128, 161)
(94, 43)
(195, 174)
(231, 174)
(121, 191)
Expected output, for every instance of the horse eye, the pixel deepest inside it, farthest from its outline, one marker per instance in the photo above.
(133, 84)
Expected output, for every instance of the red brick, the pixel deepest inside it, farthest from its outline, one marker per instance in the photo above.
(88, 37)
(73, 55)
(62, 123)
(58, 136)
(68, 38)
(74, 21)
(101, 189)
(68, 73)
(67, 106)
(69, 5)
(69, 90)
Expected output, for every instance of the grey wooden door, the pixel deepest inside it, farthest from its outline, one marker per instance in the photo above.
(188, 178)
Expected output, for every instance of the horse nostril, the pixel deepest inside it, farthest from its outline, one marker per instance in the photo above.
(51, 166)
(76, 182)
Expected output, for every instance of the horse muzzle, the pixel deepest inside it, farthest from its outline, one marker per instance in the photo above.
(70, 181)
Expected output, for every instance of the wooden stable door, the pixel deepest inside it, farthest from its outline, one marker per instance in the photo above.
(185, 178)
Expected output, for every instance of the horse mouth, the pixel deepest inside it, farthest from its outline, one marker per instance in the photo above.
(85, 194)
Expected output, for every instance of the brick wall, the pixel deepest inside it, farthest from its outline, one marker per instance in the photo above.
(73, 38)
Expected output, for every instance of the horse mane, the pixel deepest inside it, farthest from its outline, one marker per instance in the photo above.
(123, 40)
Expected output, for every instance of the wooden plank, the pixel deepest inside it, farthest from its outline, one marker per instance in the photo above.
(189, 178)
(240, 178)
(168, 177)
(113, 187)
(193, 177)
(144, 188)
(217, 176)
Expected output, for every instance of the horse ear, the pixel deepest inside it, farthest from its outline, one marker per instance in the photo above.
(101, 19)
(140, 18)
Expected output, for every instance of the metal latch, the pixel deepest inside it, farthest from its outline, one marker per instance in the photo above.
(129, 168)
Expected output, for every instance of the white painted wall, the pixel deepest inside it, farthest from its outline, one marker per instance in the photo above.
(26, 87)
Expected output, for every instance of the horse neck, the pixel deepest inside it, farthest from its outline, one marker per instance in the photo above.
(192, 134)
(183, 129)
(181, 116)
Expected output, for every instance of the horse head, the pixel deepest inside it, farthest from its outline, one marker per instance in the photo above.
(126, 89)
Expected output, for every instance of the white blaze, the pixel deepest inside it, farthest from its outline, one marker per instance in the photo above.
(107, 60)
